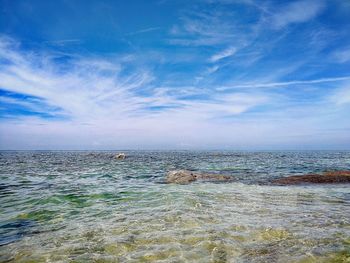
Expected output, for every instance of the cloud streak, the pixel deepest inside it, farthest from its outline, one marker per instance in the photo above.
(223, 54)
(146, 30)
(286, 83)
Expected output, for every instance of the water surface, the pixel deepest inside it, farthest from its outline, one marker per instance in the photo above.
(88, 207)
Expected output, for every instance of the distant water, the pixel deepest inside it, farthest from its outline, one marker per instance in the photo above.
(88, 207)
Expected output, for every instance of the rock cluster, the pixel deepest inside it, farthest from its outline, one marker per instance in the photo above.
(333, 177)
(185, 177)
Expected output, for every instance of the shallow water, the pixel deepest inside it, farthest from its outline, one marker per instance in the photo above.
(88, 207)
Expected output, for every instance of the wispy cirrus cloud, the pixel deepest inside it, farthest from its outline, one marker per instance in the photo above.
(223, 54)
(208, 27)
(297, 12)
(341, 55)
(145, 30)
(91, 89)
(78, 88)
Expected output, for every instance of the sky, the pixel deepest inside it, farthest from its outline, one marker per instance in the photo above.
(175, 74)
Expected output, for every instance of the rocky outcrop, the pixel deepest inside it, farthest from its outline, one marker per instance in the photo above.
(330, 177)
(185, 177)
(120, 156)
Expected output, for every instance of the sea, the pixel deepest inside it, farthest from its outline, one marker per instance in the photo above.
(87, 206)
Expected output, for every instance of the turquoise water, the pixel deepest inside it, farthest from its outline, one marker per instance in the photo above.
(89, 207)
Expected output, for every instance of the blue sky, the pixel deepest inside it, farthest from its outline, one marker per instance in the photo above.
(200, 74)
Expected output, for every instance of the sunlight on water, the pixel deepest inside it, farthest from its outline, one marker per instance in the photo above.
(88, 207)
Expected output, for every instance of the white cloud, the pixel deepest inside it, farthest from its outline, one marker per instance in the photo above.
(341, 56)
(341, 96)
(90, 88)
(223, 54)
(297, 12)
(207, 28)
(212, 69)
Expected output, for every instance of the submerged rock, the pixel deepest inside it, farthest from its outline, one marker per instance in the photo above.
(330, 177)
(185, 177)
(337, 173)
(120, 156)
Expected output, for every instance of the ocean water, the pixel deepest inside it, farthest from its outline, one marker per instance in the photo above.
(89, 207)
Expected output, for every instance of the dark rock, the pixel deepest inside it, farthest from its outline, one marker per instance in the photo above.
(185, 177)
(329, 177)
